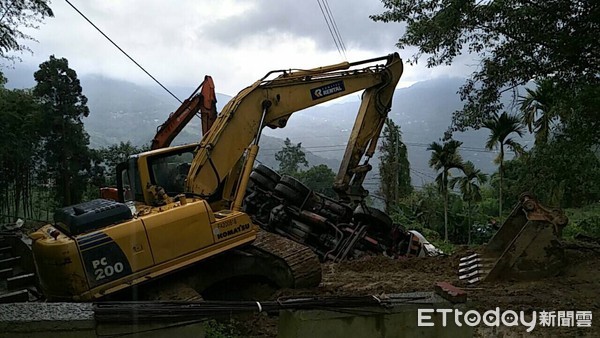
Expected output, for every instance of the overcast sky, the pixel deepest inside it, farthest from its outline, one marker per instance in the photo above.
(235, 41)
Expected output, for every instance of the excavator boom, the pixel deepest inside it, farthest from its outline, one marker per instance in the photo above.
(271, 102)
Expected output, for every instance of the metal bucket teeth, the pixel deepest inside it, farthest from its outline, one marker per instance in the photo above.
(470, 274)
(468, 258)
(474, 268)
(474, 280)
(469, 268)
(474, 274)
(469, 263)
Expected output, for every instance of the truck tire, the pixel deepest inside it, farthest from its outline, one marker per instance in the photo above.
(267, 172)
(295, 184)
(378, 221)
(262, 181)
(290, 195)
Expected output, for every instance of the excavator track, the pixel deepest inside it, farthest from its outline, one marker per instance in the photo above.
(278, 261)
(301, 260)
(273, 259)
(286, 263)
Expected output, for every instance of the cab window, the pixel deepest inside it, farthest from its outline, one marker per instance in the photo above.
(170, 170)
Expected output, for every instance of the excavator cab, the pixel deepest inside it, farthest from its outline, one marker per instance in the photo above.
(525, 247)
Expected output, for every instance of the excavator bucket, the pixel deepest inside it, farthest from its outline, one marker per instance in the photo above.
(525, 247)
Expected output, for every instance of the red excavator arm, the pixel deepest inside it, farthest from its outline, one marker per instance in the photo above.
(202, 100)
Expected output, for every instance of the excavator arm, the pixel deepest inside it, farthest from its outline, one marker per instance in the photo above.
(202, 100)
(271, 102)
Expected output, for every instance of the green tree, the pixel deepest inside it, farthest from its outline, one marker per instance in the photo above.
(445, 157)
(104, 161)
(19, 146)
(394, 168)
(65, 142)
(541, 108)
(501, 127)
(561, 173)
(514, 41)
(581, 123)
(469, 186)
(16, 15)
(290, 157)
(319, 178)
(110, 157)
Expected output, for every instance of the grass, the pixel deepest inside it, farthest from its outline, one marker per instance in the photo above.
(584, 221)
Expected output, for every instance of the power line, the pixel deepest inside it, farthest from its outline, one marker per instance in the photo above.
(422, 173)
(6, 11)
(122, 51)
(408, 144)
(335, 28)
(333, 36)
(338, 147)
(461, 148)
(312, 147)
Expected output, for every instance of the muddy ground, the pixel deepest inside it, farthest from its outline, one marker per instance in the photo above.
(577, 288)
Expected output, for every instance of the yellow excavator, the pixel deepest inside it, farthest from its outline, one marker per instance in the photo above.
(181, 208)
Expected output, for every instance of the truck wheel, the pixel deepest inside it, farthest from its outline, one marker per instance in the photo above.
(296, 185)
(378, 221)
(291, 195)
(267, 172)
(262, 181)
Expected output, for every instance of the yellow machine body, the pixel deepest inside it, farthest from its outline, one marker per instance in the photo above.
(90, 265)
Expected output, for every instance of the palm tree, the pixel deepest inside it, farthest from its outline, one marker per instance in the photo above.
(500, 129)
(445, 157)
(469, 187)
(540, 108)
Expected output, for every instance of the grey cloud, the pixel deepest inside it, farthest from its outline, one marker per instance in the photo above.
(304, 19)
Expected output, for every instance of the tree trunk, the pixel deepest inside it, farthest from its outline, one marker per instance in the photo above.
(469, 222)
(500, 171)
(445, 209)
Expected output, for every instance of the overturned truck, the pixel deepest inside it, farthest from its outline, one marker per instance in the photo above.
(333, 229)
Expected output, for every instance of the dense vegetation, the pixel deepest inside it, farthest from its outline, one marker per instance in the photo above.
(45, 158)
(557, 48)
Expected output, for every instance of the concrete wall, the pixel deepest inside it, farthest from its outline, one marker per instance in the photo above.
(76, 320)
(400, 320)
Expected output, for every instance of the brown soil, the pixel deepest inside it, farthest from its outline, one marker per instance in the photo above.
(578, 288)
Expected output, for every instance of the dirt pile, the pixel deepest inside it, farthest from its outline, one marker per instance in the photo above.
(578, 288)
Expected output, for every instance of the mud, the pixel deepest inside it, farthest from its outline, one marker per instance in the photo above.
(577, 288)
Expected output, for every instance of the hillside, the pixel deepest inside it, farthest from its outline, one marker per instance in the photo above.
(123, 111)
(423, 111)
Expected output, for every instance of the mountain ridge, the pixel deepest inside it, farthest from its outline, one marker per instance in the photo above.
(124, 111)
